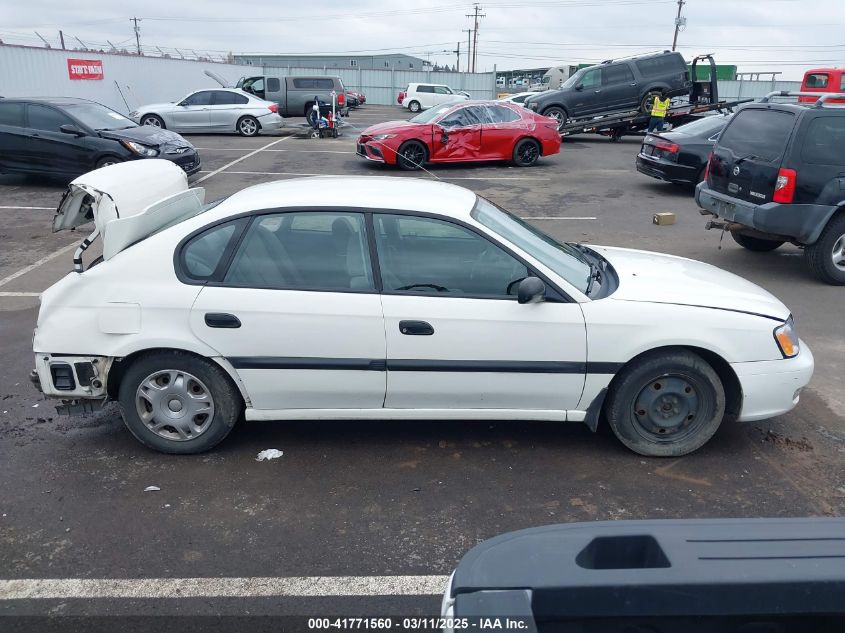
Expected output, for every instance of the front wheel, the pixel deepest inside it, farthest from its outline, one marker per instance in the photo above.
(826, 257)
(107, 161)
(152, 120)
(248, 126)
(414, 106)
(558, 114)
(175, 402)
(756, 244)
(526, 152)
(666, 404)
(411, 155)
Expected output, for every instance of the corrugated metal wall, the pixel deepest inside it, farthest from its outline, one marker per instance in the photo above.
(754, 89)
(31, 72)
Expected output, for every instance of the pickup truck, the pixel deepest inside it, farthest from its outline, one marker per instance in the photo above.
(295, 95)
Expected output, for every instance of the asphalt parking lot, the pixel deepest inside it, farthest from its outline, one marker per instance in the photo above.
(389, 506)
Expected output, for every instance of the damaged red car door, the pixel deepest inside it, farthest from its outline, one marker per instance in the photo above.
(457, 137)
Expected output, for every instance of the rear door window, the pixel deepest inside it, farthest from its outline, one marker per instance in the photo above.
(273, 84)
(617, 74)
(199, 98)
(11, 114)
(758, 134)
(500, 114)
(824, 143)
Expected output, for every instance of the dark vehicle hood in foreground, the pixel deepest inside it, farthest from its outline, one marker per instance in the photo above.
(148, 135)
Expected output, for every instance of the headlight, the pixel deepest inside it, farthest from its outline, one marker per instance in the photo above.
(141, 150)
(383, 137)
(787, 339)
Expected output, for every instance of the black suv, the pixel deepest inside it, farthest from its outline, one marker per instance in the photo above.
(777, 174)
(626, 84)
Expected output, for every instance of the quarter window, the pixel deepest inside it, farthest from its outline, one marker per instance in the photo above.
(11, 114)
(202, 256)
(304, 251)
(825, 141)
(419, 255)
(46, 118)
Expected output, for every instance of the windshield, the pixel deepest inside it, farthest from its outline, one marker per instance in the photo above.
(99, 117)
(564, 259)
(573, 80)
(427, 116)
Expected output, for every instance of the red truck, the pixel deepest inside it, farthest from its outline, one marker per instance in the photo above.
(823, 80)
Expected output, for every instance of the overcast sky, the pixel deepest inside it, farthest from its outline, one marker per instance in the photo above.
(756, 35)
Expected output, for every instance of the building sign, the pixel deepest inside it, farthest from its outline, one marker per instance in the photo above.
(85, 68)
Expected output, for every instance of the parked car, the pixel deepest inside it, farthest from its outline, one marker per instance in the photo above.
(777, 174)
(519, 97)
(627, 84)
(393, 298)
(359, 96)
(680, 155)
(823, 80)
(423, 96)
(296, 96)
(466, 131)
(221, 110)
(351, 100)
(66, 136)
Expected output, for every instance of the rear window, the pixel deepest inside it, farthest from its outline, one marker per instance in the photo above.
(662, 65)
(762, 134)
(705, 126)
(825, 141)
(816, 80)
(11, 114)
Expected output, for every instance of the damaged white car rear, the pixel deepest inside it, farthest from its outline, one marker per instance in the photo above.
(391, 298)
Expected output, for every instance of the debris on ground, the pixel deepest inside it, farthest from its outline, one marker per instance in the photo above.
(152, 489)
(268, 454)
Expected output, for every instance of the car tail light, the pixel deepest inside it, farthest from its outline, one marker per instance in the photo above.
(341, 98)
(707, 166)
(667, 147)
(274, 108)
(785, 186)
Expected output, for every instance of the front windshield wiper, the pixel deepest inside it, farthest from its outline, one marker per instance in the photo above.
(595, 275)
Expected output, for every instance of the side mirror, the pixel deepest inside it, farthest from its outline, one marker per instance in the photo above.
(71, 129)
(444, 135)
(182, 103)
(579, 87)
(531, 290)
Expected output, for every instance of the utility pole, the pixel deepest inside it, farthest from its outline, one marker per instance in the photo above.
(475, 14)
(457, 52)
(137, 30)
(469, 35)
(62, 39)
(679, 22)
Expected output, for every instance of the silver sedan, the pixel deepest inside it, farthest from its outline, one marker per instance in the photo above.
(220, 110)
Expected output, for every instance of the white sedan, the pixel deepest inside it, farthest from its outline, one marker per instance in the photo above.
(379, 297)
(219, 110)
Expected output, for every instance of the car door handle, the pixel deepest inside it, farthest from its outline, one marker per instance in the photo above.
(416, 328)
(597, 91)
(222, 320)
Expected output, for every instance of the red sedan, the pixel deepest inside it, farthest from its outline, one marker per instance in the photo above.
(460, 132)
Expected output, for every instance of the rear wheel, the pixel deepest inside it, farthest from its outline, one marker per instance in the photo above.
(526, 152)
(647, 102)
(666, 403)
(175, 402)
(757, 244)
(558, 114)
(411, 155)
(248, 126)
(414, 106)
(827, 256)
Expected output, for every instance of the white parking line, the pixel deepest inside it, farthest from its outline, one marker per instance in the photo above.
(441, 177)
(33, 266)
(20, 294)
(558, 217)
(237, 160)
(133, 588)
(32, 208)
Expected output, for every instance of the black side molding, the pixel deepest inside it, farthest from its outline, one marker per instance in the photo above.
(222, 320)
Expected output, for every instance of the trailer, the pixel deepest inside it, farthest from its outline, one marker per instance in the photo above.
(703, 97)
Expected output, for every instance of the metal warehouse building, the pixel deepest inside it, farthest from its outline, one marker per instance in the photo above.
(365, 62)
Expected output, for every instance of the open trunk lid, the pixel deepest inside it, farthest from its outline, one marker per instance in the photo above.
(747, 158)
(127, 202)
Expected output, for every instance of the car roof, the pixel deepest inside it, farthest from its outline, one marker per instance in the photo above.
(53, 100)
(366, 192)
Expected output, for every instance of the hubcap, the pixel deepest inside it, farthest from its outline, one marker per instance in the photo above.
(248, 126)
(528, 153)
(667, 407)
(413, 155)
(152, 122)
(174, 405)
(838, 253)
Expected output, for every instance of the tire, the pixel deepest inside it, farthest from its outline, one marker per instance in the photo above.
(248, 126)
(106, 161)
(414, 106)
(526, 152)
(678, 379)
(756, 244)
(647, 102)
(204, 387)
(557, 113)
(412, 155)
(153, 120)
(826, 257)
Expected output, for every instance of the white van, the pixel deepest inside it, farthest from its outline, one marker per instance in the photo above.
(423, 96)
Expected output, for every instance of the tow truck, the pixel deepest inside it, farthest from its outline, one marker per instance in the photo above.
(703, 97)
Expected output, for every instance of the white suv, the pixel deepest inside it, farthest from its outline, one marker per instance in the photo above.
(422, 96)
